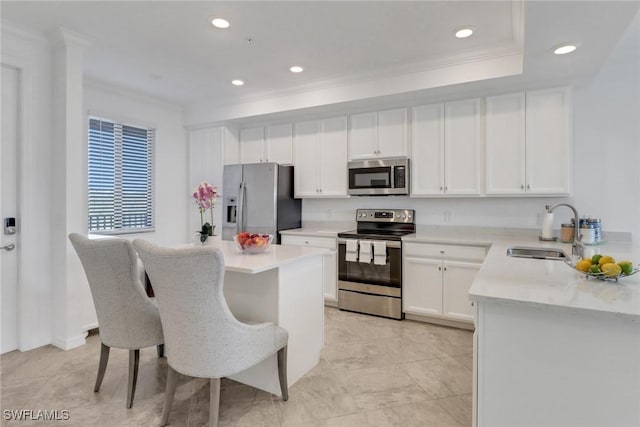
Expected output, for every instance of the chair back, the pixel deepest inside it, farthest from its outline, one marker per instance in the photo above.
(203, 337)
(127, 318)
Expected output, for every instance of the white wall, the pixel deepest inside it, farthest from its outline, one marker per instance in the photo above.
(606, 137)
(171, 197)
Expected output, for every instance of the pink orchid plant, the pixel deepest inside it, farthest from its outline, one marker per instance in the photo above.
(205, 195)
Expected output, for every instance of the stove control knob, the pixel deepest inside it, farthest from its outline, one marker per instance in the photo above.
(403, 216)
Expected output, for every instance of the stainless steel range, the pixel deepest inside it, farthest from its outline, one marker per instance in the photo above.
(370, 262)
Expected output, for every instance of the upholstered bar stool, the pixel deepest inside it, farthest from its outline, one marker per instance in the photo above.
(127, 318)
(203, 337)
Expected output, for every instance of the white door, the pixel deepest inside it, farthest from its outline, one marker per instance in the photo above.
(305, 159)
(251, 145)
(9, 208)
(427, 150)
(392, 133)
(505, 144)
(463, 147)
(363, 136)
(332, 162)
(422, 286)
(458, 277)
(279, 146)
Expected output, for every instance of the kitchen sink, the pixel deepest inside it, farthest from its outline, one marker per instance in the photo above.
(537, 253)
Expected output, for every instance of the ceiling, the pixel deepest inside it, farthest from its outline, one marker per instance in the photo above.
(168, 49)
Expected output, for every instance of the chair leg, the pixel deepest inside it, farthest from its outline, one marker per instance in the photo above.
(134, 359)
(160, 349)
(104, 358)
(214, 401)
(282, 372)
(170, 392)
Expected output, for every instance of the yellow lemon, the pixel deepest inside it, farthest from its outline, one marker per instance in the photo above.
(583, 265)
(611, 269)
(626, 266)
(606, 260)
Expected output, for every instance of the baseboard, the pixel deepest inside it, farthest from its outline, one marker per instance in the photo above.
(71, 342)
(438, 321)
(331, 302)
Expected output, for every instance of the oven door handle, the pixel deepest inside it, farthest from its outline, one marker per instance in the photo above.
(390, 243)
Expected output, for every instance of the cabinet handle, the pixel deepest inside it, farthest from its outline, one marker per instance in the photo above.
(473, 303)
(445, 188)
(306, 242)
(441, 188)
(439, 268)
(528, 187)
(522, 187)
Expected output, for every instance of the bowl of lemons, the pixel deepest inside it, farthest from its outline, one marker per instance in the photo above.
(604, 267)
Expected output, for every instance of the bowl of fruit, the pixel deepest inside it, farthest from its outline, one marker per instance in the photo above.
(604, 267)
(252, 243)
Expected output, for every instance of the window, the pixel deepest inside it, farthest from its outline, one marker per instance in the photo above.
(120, 177)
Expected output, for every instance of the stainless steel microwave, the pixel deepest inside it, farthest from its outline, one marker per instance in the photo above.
(379, 177)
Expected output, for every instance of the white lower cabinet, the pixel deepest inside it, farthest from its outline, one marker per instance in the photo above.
(437, 278)
(330, 261)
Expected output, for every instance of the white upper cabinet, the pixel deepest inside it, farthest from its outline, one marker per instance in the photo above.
(447, 149)
(279, 144)
(427, 150)
(505, 171)
(270, 144)
(463, 148)
(378, 134)
(529, 143)
(251, 145)
(320, 158)
(548, 141)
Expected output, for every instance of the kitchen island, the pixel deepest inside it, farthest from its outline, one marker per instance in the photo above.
(552, 348)
(283, 286)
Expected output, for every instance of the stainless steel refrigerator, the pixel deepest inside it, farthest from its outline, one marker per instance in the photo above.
(258, 198)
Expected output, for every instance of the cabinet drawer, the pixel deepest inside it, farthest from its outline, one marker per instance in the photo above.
(436, 250)
(313, 242)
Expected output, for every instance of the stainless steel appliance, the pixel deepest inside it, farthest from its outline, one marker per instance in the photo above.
(369, 285)
(258, 198)
(380, 177)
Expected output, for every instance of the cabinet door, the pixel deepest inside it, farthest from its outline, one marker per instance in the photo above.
(251, 145)
(392, 133)
(231, 146)
(330, 278)
(458, 277)
(548, 146)
(422, 286)
(205, 164)
(279, 146)
(463, 147)
(305, 159)
(363, 136)
(332, 160)
(427, 150)
(505, 144)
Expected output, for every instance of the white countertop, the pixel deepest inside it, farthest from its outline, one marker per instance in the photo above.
(554, 283)
(274, 257)
(317, 230)
(530, 281)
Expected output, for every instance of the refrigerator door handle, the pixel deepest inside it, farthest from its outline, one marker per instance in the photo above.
(240, 219)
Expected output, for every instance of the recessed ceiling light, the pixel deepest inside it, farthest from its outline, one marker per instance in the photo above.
(565, 48)
(237, 82)
(220, 23)
(464, 33)
(296, 69)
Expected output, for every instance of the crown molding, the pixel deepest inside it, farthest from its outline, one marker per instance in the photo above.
(9, 28)
(63, 37)
(131, 94)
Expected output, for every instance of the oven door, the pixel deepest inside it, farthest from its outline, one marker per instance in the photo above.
(389, 274)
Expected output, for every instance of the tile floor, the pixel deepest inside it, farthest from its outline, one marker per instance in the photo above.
(373, 372)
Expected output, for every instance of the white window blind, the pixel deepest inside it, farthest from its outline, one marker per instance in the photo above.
(120, 177)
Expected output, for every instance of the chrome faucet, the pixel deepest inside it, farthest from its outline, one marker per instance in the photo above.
(577, 248)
